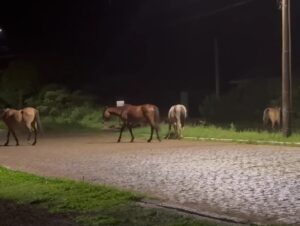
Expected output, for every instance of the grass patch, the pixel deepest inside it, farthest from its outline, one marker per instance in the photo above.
(90, 205)
(235, 135)
(65, 127)
(88, 123)
(229, 133)
(58, 195)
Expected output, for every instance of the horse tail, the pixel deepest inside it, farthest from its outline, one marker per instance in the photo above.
(38, 121)
(266, 116)
(183, 115)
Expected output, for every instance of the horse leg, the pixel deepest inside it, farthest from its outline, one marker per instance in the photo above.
(175, 129)
(278, 125)
(121, 131)
(149, 140)
(34, 127)
(7, 138)
(35, 135)
(15, 136)
(152, 125)
(29, 127)
(130, 130)
(273, 125)
(169, 132)
(157, 135)
(29, 136)
(178, 130)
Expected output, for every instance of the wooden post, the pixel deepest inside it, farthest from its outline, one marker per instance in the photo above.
(286, 69)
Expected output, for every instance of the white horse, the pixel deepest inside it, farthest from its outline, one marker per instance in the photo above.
(176, 118)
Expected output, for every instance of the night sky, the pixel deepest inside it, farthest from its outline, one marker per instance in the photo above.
(151, 46)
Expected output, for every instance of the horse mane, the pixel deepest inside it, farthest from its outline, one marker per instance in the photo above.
(117, 111)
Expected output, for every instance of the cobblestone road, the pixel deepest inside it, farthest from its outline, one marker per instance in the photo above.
(256, 183)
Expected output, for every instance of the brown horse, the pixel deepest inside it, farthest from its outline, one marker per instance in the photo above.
(272, 115)
(27, 117)
(132, 115)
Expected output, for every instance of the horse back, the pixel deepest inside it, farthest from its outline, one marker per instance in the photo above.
(148, 108)
(272, 114)
(183, 111)
(143, 112)
(151, 110)
(152, 113)
(29, 115)
(177, 111)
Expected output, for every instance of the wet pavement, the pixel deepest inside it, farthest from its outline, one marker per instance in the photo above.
(254, 183)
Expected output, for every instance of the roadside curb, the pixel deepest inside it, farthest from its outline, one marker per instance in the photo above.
(205, 215)
(243, 141)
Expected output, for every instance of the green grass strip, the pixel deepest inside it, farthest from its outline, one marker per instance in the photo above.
(90, 204)
(215, 133)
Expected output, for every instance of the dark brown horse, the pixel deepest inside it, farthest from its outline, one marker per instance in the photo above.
(26, 117)
(132, 115)
(272, 115)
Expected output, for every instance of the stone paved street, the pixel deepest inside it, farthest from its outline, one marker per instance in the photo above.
(256, 183)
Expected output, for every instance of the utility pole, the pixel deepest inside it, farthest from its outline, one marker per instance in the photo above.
(286, 68)
(217, 71)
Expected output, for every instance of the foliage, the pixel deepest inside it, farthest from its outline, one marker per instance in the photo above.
(58, 105)
(89, 204)
(245, 102)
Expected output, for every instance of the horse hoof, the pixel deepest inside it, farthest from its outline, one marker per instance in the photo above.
(34, 143)
(5, 144)
(148, 141)
(17, 144)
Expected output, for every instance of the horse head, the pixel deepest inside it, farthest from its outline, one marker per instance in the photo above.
(106, 114)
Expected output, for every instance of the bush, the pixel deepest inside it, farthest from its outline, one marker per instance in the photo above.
(58, 105)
